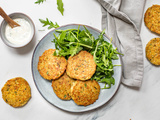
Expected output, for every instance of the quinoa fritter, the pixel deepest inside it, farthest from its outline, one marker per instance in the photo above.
(85, 92)
(81, 66)
(51, 67)
(62, 87)
(153, 51)
(152, 18)
(16, 92)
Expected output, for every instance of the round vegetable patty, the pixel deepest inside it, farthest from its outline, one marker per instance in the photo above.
(62, 87)
(16, 92)
(153, 51)
(81, 66)
(51, 67)
(85, 92)
(152, 18)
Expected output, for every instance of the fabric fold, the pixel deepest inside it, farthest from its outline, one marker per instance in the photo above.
(124, 31)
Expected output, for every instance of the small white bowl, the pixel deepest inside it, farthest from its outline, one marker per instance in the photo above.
(3, 27)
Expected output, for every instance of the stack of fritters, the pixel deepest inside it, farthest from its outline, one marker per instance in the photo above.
(74, 83)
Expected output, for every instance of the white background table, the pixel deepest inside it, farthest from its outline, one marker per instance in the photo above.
(128, 103)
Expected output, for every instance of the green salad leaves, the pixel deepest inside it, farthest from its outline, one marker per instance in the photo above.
(60, 6)
(50, 23)
(39, 1)
(71, 41)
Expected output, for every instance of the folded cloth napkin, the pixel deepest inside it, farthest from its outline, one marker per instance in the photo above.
(122, 21)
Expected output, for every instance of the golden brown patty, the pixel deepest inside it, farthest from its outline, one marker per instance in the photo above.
(16, 92)
(81, 66)
(85, 92)
(62, 87)
(153, 51)
(152, 18)
(51, 67)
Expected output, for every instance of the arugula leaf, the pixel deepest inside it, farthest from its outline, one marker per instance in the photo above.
(74, 50)
(60, 6)
(107, 81)
(39, 1)
(50, 23)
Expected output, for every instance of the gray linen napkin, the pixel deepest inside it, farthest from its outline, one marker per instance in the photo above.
(122, 21)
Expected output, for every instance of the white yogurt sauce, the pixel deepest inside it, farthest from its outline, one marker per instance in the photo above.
(20, 34)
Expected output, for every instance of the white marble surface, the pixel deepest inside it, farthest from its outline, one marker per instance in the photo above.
(128, 103)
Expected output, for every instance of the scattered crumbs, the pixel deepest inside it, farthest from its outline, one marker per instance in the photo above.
(41, 30)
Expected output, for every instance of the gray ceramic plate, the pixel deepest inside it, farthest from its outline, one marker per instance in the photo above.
(44, 86)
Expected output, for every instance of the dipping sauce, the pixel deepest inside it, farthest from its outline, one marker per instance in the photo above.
(20, 34)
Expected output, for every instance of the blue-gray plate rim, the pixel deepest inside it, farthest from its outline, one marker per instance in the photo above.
(44, 86)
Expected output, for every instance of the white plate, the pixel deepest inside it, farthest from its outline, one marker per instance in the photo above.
(44, 86)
